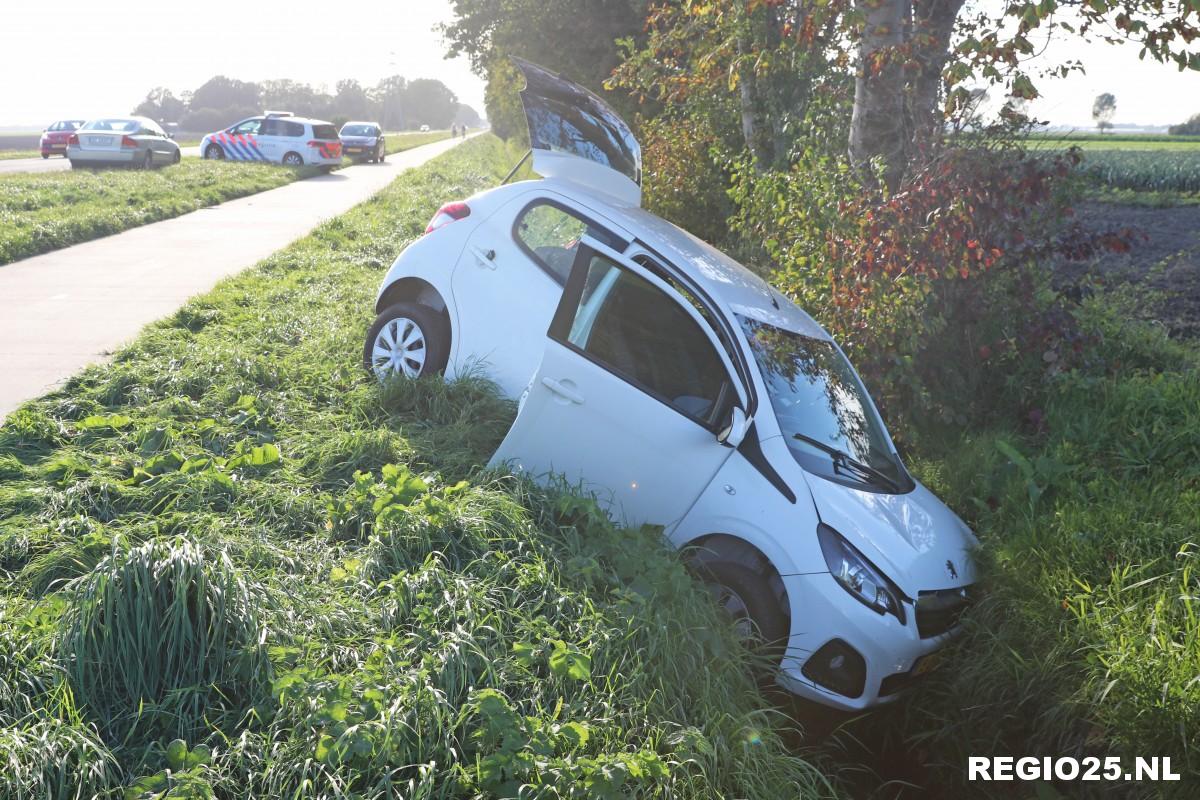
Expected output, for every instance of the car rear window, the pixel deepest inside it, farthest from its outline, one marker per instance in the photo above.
(324, 132)
(549, 234)
(119, 125)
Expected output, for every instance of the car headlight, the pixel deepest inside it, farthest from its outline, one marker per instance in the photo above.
(858, 576)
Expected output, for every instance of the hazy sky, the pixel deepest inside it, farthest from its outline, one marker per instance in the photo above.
(89, 57)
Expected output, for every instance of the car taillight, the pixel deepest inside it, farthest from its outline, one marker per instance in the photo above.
(127, 141)
(451, 212)
(74, 139)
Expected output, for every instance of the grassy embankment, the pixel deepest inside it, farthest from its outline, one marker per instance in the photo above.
(232, 536)
(1089, 639)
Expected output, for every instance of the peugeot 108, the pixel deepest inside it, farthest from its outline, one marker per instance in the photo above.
(683, 391)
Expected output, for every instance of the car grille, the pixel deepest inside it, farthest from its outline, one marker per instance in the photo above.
(939, 611)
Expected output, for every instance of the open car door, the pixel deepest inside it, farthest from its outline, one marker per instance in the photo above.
(630, 395)
(576, 136)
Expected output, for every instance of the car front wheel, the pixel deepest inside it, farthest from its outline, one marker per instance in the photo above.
(406, 339)
(746, 597)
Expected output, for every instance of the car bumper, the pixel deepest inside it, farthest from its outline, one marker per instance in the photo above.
(103, 156)
(360, 150)
(894, 655)
(49, 148)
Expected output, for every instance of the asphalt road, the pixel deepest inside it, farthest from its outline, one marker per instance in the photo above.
(58, 163)
(63, 310)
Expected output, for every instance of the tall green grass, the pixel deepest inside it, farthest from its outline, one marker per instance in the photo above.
(232, 536)
(1087, 641)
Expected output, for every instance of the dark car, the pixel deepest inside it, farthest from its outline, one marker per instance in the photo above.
(364, 141)
(54, 138)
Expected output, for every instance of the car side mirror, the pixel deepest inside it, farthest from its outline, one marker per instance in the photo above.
(734, 427)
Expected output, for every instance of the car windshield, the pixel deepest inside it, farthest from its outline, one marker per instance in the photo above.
(120, 125)
(823, 408)
(358, 130)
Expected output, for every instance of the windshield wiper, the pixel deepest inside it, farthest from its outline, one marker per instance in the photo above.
(845, 461)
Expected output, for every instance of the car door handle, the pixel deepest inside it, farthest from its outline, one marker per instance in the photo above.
(563, 391)
(486, 258)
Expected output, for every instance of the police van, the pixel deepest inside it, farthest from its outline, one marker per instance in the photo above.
(277, 137)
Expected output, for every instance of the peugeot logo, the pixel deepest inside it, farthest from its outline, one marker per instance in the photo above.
(950, 568)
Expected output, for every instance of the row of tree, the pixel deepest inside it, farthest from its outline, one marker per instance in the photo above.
(777, 68)
(396, 102)
(1189, 128)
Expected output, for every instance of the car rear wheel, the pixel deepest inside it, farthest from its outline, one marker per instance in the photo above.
(45, 155)
(406, 339)
(214, 152)
(293, 160)
(148, 160)
(746, 596)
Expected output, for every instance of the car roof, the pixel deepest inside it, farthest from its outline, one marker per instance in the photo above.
(360, 122)
(717, 273)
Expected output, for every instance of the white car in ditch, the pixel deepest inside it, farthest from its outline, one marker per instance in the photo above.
(684, 391)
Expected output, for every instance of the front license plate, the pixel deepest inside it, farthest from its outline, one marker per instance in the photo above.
(353, 149)
(927, 663)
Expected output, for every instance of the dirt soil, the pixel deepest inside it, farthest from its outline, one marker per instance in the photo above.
(1166, 261)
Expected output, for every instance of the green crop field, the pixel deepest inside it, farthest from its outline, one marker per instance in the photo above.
(48, 210)
(1144, 170)
(1127, 168)
(232, 556)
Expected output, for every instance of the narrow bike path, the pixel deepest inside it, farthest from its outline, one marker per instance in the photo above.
(69, 308)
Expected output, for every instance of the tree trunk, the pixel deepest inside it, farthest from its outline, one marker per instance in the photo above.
(751, 107)
(877, 126)
(932, 28)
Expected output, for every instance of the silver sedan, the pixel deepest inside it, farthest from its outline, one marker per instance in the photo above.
(128, 141)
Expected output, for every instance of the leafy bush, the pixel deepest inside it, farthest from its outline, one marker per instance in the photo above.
(681, 180)
(932, 286)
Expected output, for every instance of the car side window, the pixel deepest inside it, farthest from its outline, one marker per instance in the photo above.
(633, 328)
(549, 234)
(248, 128)
(292, 129)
